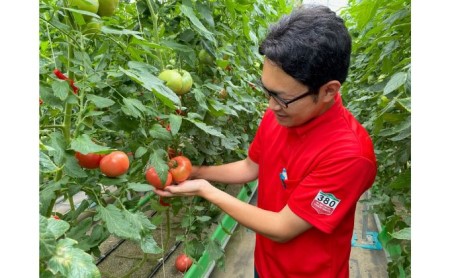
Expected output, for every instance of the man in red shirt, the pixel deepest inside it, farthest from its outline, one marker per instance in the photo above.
(312, 158)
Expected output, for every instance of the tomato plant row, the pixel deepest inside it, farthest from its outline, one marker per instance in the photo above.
(155, 80)
(380, 94)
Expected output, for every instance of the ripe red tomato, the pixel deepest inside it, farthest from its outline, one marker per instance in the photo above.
(183, 262)
(89, 161)
(152, 178)
(115, 164)
(180, 167)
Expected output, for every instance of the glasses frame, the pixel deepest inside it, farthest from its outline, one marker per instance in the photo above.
(282, 102)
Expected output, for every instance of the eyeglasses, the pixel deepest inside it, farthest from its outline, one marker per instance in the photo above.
(282, 102)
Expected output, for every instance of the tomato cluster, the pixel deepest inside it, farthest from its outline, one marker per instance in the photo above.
(103, 8)
(180, 169)
(111, 165)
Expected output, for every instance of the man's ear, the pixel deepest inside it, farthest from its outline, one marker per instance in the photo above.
(330, 89)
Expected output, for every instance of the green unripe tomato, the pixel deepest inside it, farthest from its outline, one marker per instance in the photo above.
(384, 101)
(172, 79)
(92, 28)
(186, 80)
(107, 7)
(85, 5)
(205, 58)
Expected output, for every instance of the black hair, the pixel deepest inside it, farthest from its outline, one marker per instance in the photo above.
(311, 44)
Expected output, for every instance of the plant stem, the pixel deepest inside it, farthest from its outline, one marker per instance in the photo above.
(155, 31)
(166, 241)
(135, 268)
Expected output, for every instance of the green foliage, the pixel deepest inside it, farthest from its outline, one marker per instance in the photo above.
(64, 258)
(378, 92)
(121, 104)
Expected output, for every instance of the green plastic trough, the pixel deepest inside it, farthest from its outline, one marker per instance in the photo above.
(222, 234)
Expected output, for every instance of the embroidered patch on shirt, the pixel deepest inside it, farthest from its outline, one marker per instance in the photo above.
(325, 203)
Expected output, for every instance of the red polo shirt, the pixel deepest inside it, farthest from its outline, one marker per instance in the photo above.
(330, 163)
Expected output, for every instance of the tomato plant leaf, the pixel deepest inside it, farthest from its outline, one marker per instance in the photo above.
(175, 123)
(85, 145)
(203, 218)
(79, 231)
(72, 168)
(229, 142)
(206, 13)
(59, 147)
(206, 128)
(61, 89)
(152, 83)
(50, 230)
(71, 261)
(176, 46)
(402, 181)
(114, 31)
(117, 223)
(395, 82)
(56, 227)
(46, 164)
(81, 12)
(94, 239)
(158, 161)
(200, 98)
(198, 26)
(218, 109)
(139, 187)
(405, 103)
(140, 152)
(100, 102)
(157, 131)
(133, 107)
(47, 194)
(404, 233)
(149, 245)
(214, 249)
(125, 224)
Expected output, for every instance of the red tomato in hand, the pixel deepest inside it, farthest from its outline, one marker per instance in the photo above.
(89, 161)
(180, 167)
(152, 178)
(114, 164)
(183, 262)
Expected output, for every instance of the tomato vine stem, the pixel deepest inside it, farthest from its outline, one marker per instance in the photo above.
(155, 31)
(166, 241)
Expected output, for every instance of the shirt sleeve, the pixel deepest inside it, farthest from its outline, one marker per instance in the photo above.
(329, 192)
